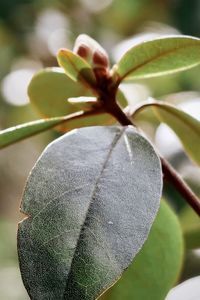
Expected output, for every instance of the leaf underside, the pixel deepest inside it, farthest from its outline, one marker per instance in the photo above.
(91, 200)
(185, 126)
(49, 90)
(158, 57)
(17, 133)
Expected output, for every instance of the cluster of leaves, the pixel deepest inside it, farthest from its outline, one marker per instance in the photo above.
(94, 193)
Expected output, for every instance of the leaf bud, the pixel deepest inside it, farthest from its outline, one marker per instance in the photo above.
(91, 51)
(100, 59)
(83, 51)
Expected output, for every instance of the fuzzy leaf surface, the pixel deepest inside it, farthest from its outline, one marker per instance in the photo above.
(159, 57)
(91, 200)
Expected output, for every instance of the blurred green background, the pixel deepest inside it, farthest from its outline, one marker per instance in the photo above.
(31, 32)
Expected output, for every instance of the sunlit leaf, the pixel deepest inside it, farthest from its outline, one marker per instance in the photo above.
(159, 57)
(76, 67)
(121, 99)
(186, 127)
(89, 211)
(49, 91)
(16, 133)
(157, 266)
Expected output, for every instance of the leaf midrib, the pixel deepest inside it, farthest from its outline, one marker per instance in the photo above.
(176, 114)
(113, 144)
(153, 59)
(168, 108)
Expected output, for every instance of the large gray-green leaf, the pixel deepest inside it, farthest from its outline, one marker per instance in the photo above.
(91, 200)
(158, 57)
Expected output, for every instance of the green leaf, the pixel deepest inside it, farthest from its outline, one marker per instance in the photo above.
(157, 266)
(90, 210)
(121, 99)
(17, 133)
(76, 67)
(186, 127)
(48, 92)
(158, 57)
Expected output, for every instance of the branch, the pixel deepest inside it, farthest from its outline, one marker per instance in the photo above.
(180, 185)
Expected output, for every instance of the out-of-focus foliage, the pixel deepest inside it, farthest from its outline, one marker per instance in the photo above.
(31, 32)
(189, 289)
(147, 269)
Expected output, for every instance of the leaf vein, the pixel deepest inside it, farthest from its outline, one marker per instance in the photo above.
(153, 59)
(113, 144)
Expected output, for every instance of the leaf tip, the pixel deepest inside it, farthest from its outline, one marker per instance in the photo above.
(63, 53)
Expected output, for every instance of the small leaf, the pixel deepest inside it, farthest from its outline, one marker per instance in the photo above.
(49, 91)
(186, 127)
(76, 67)
(91, 200)
(157, 266)
(17, 133)
(158, 57)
